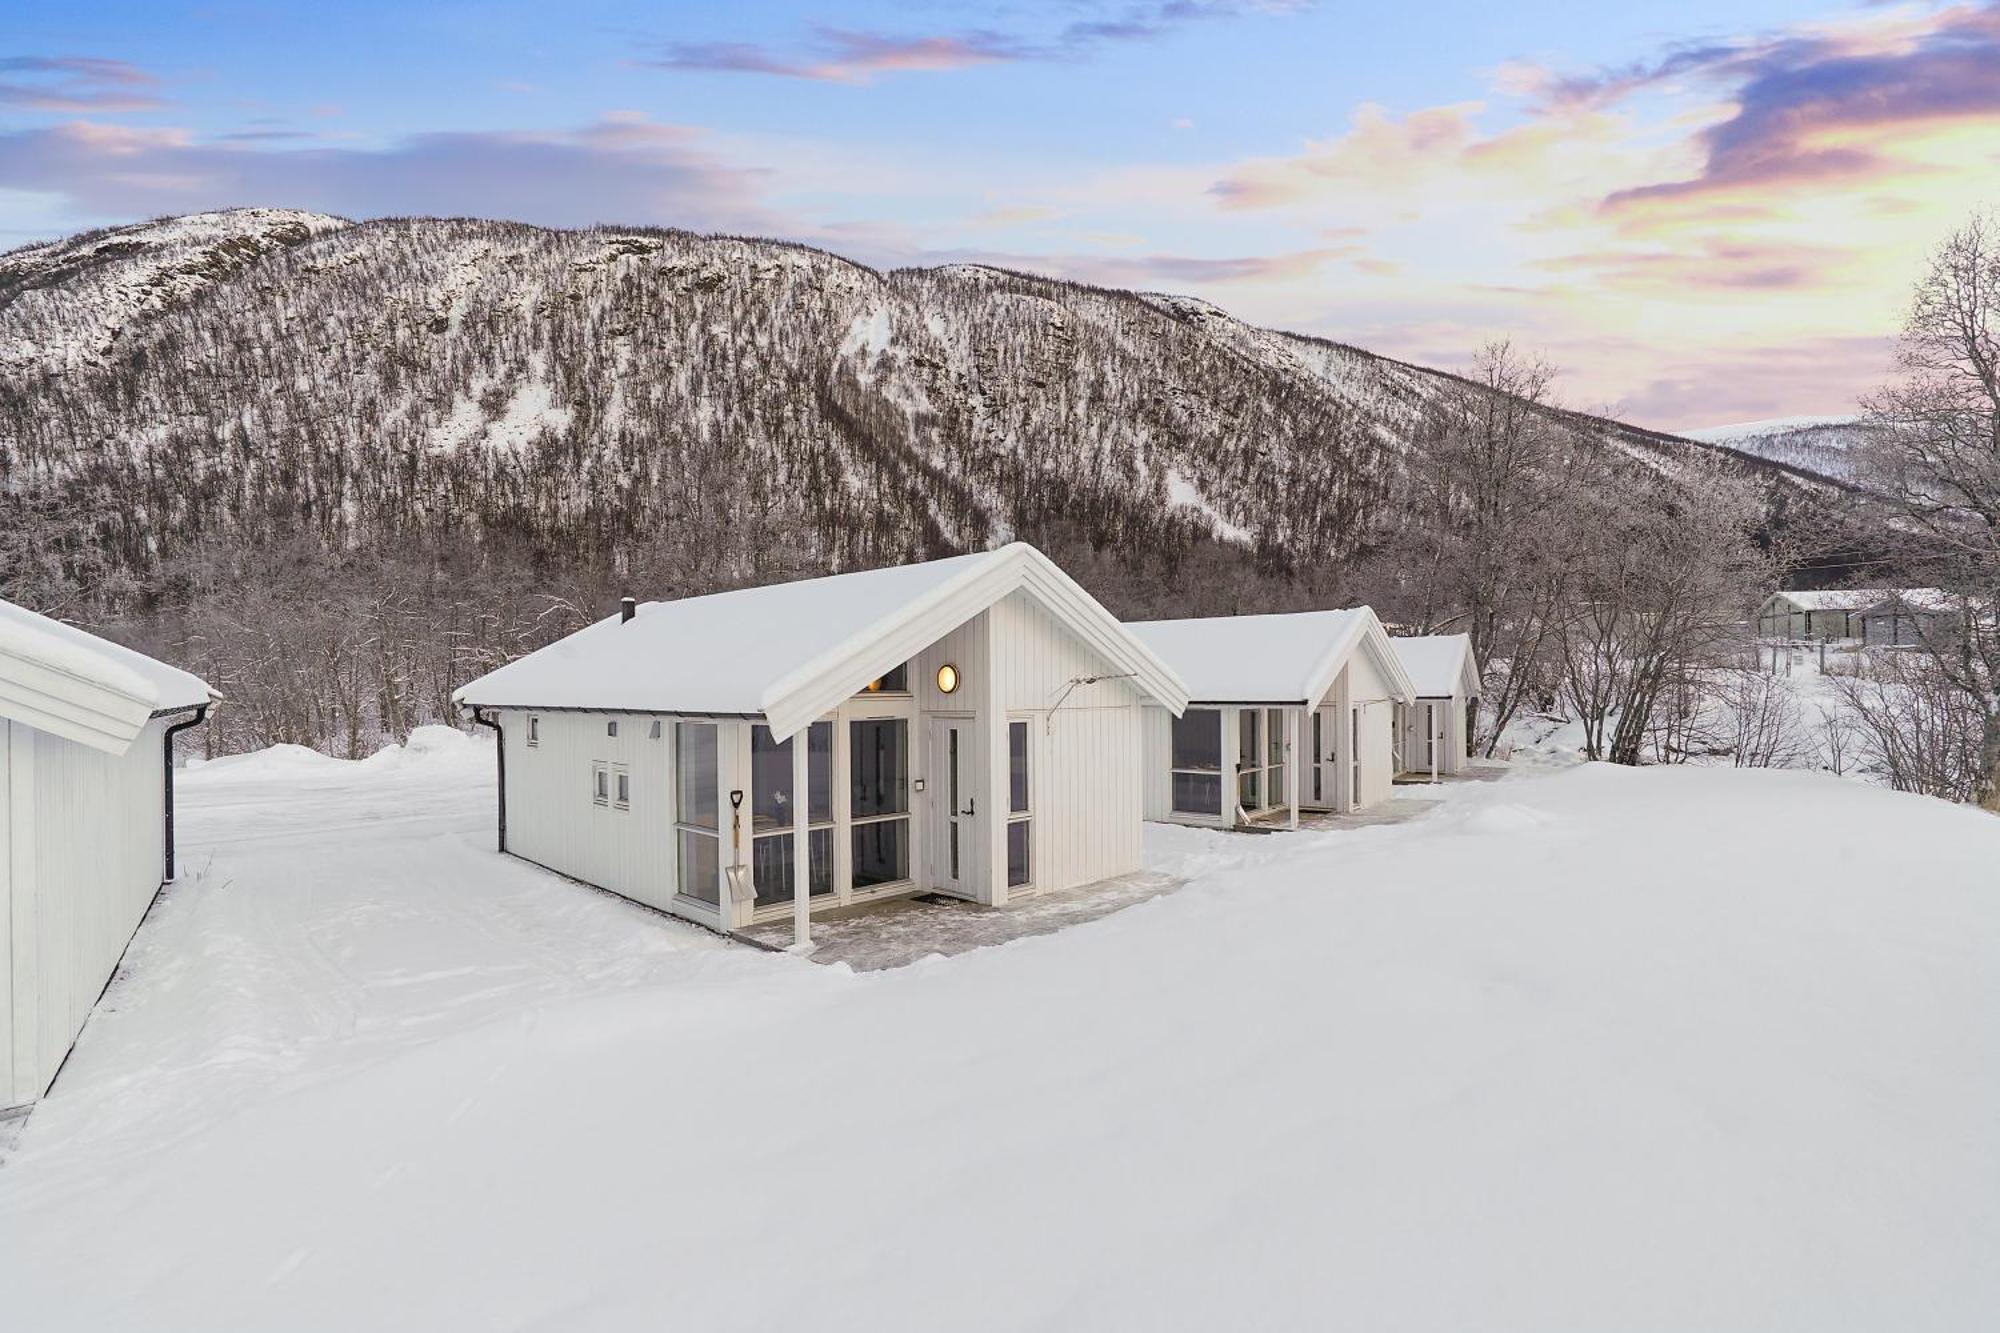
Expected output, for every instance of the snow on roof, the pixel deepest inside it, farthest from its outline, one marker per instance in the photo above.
(1268, 659)
(1833, 599)
(790, 651)
(1917, 599)
(69, 683)
(1439, 665)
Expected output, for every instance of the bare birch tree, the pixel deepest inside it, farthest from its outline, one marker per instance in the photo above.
(1935, 464)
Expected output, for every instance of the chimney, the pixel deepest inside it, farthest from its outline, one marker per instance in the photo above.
(627, 608)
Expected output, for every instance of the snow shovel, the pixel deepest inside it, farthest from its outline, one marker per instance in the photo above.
(741, 887)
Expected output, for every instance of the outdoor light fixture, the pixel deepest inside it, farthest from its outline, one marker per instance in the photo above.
(947, 678)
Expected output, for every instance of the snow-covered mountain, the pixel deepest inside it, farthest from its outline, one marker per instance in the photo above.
(1817, 444)
(262, 376)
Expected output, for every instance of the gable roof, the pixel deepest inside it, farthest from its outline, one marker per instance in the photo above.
(1914, 599)
(1276, 659)
(792, 651)
(1439, 665)
(1828, 599)
(59, 679)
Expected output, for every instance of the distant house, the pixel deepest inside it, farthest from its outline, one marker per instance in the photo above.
(86, 826)
(1824, 615)
(968, 726)
(1434, 733)
(1909, 617)
(1286, 713)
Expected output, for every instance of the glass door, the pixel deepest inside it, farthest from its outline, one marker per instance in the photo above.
(954, 805)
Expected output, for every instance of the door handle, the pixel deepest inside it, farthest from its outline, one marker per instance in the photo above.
(971, 806)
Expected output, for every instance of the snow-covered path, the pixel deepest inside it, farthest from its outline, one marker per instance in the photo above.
(1652, 1050)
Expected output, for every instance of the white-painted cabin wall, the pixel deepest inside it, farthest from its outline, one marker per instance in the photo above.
(1378, 779)
(553, 818)
(1084, 758)
(1156, 733)
(8, 1095)
(83, 843)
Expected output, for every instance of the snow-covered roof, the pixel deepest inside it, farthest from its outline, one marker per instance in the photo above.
(59, 679)
(1439, 665)
(1915, 599)
(1275, 659)
(791, 651)
(1863, 599)
(1830, 599)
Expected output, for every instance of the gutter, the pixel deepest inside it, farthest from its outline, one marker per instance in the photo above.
(167, 746)
(500, 757)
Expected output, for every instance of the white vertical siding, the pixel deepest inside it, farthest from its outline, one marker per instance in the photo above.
(1156, 725)
(1365, 681)
(8, 840)
(553, 818)
(1086, 754)
(84, 851)
(1377, 780)
(982, 765)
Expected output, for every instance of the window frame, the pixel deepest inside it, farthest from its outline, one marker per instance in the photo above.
(684, 828)
(621, 787)
(1024, 814)
(1177, 771)
(856, 823)
(533, 736)
(600, 783)
(815, 827)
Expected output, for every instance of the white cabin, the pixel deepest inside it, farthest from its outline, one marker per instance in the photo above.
(86, 826)
(1912, 618)
(1433, 735)
(1827, 615)
(1286, 713)
(970, 727)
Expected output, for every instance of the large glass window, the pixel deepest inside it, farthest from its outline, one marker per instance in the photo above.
(695, 810)
(1319, 758)
(771, 812)
(1019, 817)
(1260, 772)
(1198, 762)
(879, 799)
(1249, 760)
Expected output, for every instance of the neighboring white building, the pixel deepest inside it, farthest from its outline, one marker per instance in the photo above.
(86, 826)
(1286, 712)
(1434, 732)
(1826, 614)
(969, 727)
(1910, 617)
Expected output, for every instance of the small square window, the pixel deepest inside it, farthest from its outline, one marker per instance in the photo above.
(611, 727)
(657, 729)
(534, 730)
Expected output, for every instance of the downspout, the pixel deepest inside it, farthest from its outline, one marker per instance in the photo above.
(500, 756)
(200, 716)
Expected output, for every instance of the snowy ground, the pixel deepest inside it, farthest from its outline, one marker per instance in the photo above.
(1666, 1049)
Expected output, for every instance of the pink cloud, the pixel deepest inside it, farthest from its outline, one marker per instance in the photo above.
(619, 170)
(847, 55)
(75, 84)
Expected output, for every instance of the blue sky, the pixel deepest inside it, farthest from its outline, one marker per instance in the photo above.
(1702, 211)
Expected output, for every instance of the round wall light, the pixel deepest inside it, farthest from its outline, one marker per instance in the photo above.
(947, 678)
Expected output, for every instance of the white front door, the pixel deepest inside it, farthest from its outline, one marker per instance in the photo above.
(954, 806)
